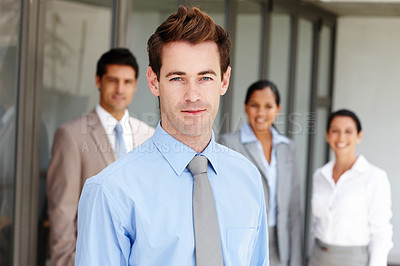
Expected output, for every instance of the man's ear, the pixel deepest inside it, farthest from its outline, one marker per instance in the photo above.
(152, 81)
(360, 136)
(98, 81)
(225, 80)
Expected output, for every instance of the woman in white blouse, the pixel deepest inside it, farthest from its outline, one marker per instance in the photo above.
(351, 202)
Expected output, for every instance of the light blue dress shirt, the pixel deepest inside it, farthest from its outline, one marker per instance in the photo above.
(138, 210)
(271, 169)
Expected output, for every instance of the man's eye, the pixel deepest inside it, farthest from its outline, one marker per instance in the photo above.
(176, 79)
(206, 78)
(111, 80)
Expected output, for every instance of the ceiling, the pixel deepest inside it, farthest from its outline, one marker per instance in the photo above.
(359, 7)
(338, 7)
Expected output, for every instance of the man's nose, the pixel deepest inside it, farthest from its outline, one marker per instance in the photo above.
(191, 92)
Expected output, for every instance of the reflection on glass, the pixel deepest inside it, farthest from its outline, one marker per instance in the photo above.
(324, 64)
(247, 55)
(9, 38)
(77, 34)
(301, 119)
(278, 62)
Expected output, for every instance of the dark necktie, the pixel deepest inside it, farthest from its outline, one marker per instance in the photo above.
(206, 230)
(119, 141)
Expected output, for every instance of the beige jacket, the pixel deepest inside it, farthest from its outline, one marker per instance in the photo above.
(81, 149)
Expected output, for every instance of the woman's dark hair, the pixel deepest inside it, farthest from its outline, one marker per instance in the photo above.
(262, 84)
(344, 112)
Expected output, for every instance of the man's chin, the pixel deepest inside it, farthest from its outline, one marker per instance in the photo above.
(195, 131)
(119, 108)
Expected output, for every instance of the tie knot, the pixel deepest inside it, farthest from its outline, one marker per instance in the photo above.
(198, 165)
(118, 128)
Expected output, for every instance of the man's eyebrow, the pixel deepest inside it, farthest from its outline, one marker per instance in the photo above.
(172, 73)
(110, 77)
(210, 71)
(114, 77)
(181, 73)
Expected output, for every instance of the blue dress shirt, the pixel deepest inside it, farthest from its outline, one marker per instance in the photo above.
(138, 210)
(271, 169)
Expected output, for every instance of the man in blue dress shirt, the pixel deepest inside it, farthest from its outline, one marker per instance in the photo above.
(138, 211)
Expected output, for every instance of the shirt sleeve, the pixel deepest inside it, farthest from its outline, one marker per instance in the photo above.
(260, 255)
(379, 222)
(102, 238)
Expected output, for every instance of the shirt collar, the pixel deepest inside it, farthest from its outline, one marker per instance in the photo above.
(361, 165)
(178, 155)
(247, 135)
(109, 122)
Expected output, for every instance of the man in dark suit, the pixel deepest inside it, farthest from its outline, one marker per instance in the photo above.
(85, 146)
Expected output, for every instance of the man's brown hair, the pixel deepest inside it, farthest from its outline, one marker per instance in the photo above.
(191, 25)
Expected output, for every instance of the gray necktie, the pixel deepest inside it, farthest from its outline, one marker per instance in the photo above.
(206, 231)
(119, 142)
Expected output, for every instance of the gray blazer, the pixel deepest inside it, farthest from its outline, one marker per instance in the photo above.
(289, 210)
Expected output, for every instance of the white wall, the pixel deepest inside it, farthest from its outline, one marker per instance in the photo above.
(367, 80)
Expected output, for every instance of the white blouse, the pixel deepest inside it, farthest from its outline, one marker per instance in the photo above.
(356, 211)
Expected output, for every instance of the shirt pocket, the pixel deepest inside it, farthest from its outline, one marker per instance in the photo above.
(240, 242)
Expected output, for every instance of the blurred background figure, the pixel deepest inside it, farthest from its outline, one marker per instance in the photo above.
(85, 146)
(275, 157)
(351, 202)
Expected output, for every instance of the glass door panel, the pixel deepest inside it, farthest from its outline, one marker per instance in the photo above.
(247, 53)
(301, 118)
(77, 34)
(278, 62)
(10, 15)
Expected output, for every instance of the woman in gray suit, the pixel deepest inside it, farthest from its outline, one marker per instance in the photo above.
(274, 156)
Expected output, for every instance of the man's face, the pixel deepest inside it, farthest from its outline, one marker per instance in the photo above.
(189, 88)
(116, 87)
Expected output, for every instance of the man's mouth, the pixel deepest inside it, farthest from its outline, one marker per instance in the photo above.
(193, 111)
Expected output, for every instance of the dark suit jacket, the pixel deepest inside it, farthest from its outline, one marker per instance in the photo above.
(81, 149)
(288, 194)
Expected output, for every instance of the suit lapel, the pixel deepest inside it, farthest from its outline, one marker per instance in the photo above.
(283, 168)
(254, 155)
(100, 138)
